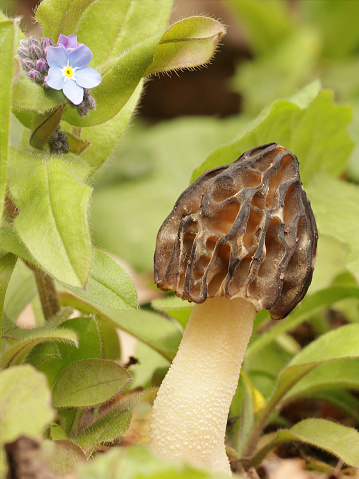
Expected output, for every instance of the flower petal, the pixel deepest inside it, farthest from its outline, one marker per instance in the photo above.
(57, 57)
(80, 56)
(73, 91)
(55, 78)
(63, 40)
(71, 41)
(88, 77)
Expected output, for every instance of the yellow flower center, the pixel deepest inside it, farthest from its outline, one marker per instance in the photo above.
(69, 72)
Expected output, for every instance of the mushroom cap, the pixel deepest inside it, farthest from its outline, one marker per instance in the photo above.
(241, 230)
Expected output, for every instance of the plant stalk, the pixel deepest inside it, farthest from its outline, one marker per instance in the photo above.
(47, 292)
(190, 412)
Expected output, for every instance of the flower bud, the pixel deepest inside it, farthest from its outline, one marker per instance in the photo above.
(41, 66)
(27, 64)
(35, 76)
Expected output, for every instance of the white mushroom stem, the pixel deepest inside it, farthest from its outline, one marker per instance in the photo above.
(190, 412)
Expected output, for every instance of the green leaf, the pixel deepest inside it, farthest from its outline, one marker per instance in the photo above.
(291, 123)
(152, 329)
(7, 265)
(26, 339)
(62, 16)
(139, 462)
(105, 430)
(110, 31)
(88, 383)
(10, 241)
(337, 214)
(106, 136)
(341, 374)
(27, 95)
(23, 412)
(41, 353)
(108, 285)
(338, 344)
(266, 22)
(309, 306)
(187, 43)
(174, 307)
(45, 128)
(119, 81)
(7, 36)
(89, 347)
(66, 458)
(57, 433)
(334, 438)
(21, 290)
(52, 222)
(111, 348)
(76, 144)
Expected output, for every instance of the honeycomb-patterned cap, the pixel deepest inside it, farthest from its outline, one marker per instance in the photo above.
(241, 230)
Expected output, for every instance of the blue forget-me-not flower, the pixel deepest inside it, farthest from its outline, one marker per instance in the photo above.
(69, 70)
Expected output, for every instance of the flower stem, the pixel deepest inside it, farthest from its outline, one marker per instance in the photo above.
(47, 292)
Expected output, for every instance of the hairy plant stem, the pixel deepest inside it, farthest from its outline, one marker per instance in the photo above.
(47, 292)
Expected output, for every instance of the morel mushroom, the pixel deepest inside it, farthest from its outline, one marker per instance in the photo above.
(241, 238)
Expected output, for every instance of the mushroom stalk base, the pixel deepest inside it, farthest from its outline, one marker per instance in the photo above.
(190, 412)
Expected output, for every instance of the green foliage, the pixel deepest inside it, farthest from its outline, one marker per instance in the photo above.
(108, 285)
(324, 434)
(22, 341)
(88, 383)
(7, 38)
(45, 128)
(188, 43)
(337, 215)
(137, 463)
(309, 114)
(22, 412)
(53, 202)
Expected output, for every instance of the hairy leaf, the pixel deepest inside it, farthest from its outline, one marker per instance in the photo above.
(21, 290)
(109, 285)
(62, 16)
(7, 36)
(187, 43)
(52, 222)
(45, 128)
(153, 329)
(88, 383)
(88, 347)
(111, 31)
(105, 430)
(106, 136)
(23, 340)
(27, 95)
(119, 80)
(7, 265)
(334, 438)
